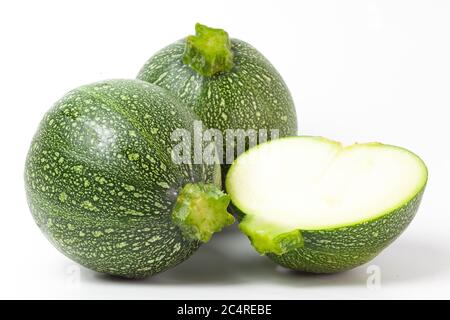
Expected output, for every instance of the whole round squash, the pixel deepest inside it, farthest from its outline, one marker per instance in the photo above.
(228, 84)
(103, 187)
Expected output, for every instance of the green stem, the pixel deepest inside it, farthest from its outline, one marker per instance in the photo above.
(209, 51)
(269, 238)
(201, 210)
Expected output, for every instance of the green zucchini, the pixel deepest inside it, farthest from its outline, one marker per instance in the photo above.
(103, 187)
(227, 83)
(311, 204)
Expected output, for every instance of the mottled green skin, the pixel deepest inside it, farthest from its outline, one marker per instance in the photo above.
(250, 96)
(344, 248)
(100, 180)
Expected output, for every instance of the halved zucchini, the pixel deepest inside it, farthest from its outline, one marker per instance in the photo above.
(314, 205)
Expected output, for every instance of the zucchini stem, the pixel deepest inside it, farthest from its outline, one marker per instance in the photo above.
(209, 51)
(268, 238)
(201, 210)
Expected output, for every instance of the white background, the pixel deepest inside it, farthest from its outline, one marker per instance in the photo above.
(358, 71)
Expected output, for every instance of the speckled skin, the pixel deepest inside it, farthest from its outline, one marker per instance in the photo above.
(344, 248)
(250, 96)
(100, 180)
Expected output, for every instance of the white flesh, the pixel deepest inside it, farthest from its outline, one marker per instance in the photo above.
(315, 183)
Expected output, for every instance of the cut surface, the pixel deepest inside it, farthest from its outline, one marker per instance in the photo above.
(312, 183)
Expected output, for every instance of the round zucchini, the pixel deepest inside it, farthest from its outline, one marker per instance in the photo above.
(228, 84)
(311, 204)
(103, 187)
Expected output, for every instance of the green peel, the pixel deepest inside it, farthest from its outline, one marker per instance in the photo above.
(201, 210)
(268, 238)
(209, 51)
